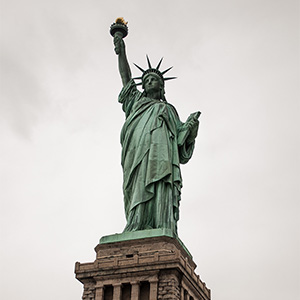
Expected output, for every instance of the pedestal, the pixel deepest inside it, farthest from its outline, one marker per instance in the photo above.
(141, 268)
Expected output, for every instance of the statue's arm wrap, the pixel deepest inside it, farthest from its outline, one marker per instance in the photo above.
(186, 152)
(128, 96)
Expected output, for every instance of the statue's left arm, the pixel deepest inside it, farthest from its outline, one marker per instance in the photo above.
(186, 137)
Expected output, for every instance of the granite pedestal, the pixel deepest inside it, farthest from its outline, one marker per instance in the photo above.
(141, 268)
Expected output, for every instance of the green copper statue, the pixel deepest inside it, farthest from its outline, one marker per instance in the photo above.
(154, 143)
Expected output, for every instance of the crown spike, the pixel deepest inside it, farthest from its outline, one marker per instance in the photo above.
(157, 68)
(149, 64)
(140, 83)
(165, 71)
(139, 68)
(169, 78)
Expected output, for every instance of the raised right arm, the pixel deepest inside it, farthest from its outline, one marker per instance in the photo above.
(124, 68)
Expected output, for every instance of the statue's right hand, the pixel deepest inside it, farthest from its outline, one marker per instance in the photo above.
(119, 44)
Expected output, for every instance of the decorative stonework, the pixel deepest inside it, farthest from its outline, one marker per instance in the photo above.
(144, 269)
(169, 285)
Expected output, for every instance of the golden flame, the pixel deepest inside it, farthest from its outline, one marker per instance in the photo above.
(121, 21)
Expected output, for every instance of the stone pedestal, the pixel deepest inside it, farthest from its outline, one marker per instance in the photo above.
(149, 268)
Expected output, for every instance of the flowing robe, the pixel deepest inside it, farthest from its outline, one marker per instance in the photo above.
(154, 143)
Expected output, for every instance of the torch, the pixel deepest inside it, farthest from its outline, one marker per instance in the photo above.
(119, 27)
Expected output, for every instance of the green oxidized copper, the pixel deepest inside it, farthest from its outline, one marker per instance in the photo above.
(154, 144)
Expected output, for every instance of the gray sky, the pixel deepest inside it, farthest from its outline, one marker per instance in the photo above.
(61, 178)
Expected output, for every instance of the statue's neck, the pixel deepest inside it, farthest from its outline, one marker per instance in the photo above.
(154, 95)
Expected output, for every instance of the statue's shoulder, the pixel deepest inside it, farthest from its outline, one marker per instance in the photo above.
(172, 107)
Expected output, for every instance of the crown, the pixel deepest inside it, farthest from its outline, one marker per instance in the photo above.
(153, 71)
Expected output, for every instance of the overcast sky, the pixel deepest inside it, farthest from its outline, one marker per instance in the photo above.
(61, 179)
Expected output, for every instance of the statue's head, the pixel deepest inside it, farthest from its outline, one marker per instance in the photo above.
(152, 82)
(152, 78)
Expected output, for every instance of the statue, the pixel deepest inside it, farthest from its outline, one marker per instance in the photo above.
(154, 143)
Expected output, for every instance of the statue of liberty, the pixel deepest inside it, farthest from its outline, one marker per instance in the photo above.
(154, 144)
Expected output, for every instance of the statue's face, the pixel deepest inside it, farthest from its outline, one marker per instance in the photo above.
(152, 83)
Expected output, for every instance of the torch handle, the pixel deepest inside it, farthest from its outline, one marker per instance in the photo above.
(118, 42)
